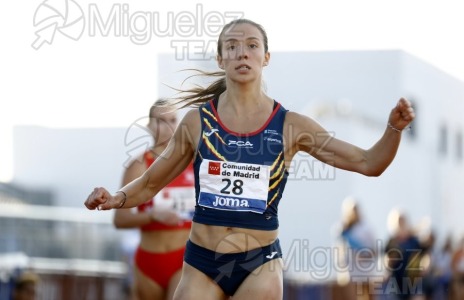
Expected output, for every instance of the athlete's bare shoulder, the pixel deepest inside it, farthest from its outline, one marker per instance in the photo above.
(192, 117)
(190, 127)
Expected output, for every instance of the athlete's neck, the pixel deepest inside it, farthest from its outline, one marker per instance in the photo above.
(244, 101)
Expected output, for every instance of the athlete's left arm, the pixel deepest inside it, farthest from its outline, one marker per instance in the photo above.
(305, 134)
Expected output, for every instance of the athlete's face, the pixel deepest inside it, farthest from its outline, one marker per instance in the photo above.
(162, 125)
(243, 53)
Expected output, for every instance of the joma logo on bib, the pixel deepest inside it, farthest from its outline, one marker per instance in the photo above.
(230, 202)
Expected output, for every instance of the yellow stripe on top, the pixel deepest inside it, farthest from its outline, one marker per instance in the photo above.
(215, 133)
(211, 147)
(279, 170)
(276, 161)
(276, 183)
(209, 113)
(273, 198)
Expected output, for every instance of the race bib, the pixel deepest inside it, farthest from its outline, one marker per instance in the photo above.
(233, 186)
(180, 199)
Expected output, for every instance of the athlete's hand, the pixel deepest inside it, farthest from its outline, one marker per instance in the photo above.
(101, 199)
(166, 216)
(402, 115)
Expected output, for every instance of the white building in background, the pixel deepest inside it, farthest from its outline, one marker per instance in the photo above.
(351, 95)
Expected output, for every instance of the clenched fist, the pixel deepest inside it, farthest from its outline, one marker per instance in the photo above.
(101, 199)
(402, 115)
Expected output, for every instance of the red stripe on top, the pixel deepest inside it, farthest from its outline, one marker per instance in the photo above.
(276, 109)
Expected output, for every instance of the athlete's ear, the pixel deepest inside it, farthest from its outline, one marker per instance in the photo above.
(220, 62)
(267, 57)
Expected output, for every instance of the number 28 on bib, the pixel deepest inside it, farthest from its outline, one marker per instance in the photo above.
(233, 186)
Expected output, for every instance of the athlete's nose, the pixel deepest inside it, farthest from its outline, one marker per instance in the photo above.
(242, 52)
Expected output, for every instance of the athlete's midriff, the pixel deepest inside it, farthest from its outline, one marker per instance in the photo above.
(230, 239)
(162, 241)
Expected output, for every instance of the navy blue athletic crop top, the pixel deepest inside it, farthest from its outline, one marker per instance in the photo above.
(239, 178)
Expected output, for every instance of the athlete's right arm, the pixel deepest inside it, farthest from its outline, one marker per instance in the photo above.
(178, 154)
(126, 218)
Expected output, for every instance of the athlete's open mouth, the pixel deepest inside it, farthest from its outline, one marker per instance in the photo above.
(243, 67)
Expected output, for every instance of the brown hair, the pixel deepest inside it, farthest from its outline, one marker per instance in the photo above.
(158, 103)
(198, 95)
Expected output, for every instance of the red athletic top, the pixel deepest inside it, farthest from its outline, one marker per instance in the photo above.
(179, 194)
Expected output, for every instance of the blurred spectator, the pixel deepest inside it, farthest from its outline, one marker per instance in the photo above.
(403, 258)
(457, 265)
(25, 287)
(442, 270)
(426, 260)
(358, 252)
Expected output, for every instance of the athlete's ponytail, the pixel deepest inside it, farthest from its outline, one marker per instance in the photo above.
(198, 95)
